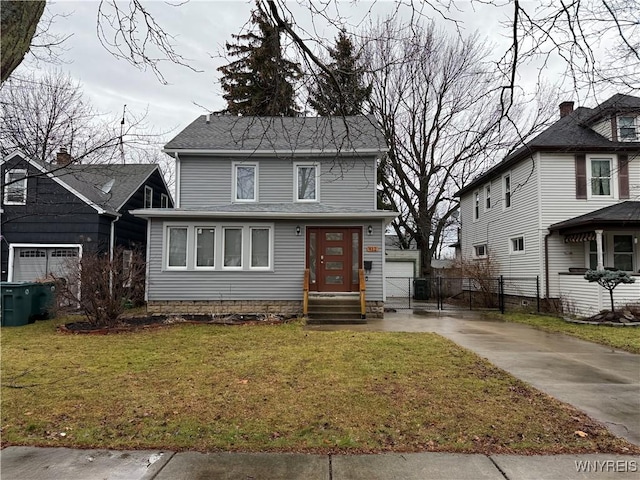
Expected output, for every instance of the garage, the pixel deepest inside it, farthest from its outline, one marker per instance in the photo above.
(399, 278)
(33, 262)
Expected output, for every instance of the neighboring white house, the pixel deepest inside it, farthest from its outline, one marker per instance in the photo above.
(567, 201)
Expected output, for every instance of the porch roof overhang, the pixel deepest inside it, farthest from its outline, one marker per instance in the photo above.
(622, 215)
(302, 211)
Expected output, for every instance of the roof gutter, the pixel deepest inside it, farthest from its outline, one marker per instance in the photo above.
(270, 153)
(164, 213)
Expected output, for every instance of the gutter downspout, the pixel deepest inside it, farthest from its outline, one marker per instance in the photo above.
(546, 264)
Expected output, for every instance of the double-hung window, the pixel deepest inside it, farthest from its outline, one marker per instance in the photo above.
(15, 187)
(516, 245)
(627, 129)
(600, 177)
(164, 200)
(306, 183)
(177, 247)
(245, 182)
(506, 185)
(476, 205)
(487, 197)
(480, 251)
(148, 197)
(623, 252)
(260, 247)
(232, 247)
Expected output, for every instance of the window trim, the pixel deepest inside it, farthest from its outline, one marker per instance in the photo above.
(269, 266)
(296, 167)
(635, 125)
(164, 200)
(507, 202)
(24, 181)
(234, 166)
(475, 251)
(166, 246)
(148, 190)
(512, 250)
(195, 248)
(612, 177)
(476, 205)
(487, 197)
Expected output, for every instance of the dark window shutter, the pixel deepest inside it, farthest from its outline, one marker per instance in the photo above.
(623, 175)
(581, 176)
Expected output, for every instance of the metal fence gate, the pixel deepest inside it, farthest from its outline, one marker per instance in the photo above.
(450, 293)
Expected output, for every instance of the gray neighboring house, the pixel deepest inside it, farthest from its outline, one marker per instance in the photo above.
(261, 200)
(565, 202)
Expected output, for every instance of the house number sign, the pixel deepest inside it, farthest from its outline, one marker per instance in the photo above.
(373, 249)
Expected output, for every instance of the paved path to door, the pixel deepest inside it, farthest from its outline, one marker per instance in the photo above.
(600, 381)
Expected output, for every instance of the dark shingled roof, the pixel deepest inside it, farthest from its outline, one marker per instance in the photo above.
(572, 133)
(624, 214)
(226, 132)
(92, 181)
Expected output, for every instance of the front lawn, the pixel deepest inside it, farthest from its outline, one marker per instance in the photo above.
(275, 388)
(623, 338)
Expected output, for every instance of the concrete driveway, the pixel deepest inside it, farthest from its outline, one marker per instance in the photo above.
(601, 381)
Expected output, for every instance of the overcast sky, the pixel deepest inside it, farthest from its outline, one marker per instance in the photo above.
(201, 29)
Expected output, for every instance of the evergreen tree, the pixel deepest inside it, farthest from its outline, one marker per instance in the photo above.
(260, 81)
(343, 92)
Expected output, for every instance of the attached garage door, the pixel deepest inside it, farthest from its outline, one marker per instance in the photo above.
(32, 263)
(399, 279)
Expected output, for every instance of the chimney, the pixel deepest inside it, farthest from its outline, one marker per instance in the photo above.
(63, 157)
(566, 108)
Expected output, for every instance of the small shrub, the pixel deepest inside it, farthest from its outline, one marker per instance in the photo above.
(609, 279)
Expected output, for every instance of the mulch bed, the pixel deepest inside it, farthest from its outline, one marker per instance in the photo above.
(134, 323)
(619, 318)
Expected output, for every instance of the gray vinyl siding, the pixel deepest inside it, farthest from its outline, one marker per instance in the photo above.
(209, 181)
(283, 283)
(498, 225)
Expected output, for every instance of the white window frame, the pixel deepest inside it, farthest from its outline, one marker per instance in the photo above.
(476, 205)
(635, 125)
(612, 178)
(505, 191)
(487, 197)
(269, 249)
(475, 251)
(148, 195)
(164, 200)
(512, 249)
(166, 245)
(223, 241)
(16, 171)
(296, 167)
(195, 247)
(235, 166)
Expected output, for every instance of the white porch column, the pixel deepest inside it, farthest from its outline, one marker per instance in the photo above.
(599, 253)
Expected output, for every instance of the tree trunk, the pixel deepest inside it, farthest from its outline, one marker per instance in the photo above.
(19, 22)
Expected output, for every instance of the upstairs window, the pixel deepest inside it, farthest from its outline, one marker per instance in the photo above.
(164, 200)
(476, 205)
(306, 183)
(628, 129)
(15, 187)
(600, 177)
(245, 183)
(506, 183)
(148, 197)
(487, 197)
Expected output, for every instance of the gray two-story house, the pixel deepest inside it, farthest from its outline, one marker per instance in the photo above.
(269, 210)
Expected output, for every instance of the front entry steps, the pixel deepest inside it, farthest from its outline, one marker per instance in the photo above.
(334, 308)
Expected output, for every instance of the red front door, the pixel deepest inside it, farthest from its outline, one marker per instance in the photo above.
(333, 258)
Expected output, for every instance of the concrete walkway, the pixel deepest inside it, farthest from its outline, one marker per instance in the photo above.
(31, 463)
(601, 381)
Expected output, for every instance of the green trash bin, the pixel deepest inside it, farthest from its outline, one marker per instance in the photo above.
(16, 303)
(42, 300)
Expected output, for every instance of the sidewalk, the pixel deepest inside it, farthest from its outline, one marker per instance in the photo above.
(31, 463)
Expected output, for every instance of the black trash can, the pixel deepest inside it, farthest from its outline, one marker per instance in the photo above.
(421, 289)
(42, 300)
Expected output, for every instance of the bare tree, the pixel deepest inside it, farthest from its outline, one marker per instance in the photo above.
(436, 99)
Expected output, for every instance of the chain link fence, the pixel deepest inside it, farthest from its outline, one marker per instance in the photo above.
(448, 293)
